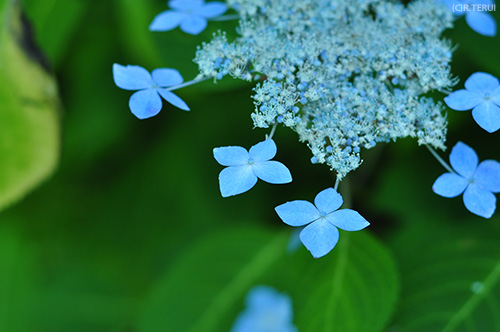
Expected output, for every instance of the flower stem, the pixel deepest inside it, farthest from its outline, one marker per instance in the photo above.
(441, 161)
(337, 181)
(226, 18)
(188, 83)
(346, 193)
(271, 134)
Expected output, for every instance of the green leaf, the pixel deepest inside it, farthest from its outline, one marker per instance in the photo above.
(55, 22)
(202, 288)
(17, 282)
(353, 289)
(452, 277)
(449, 259)
(29, 131)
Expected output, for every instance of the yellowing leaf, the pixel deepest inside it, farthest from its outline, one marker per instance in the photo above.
(29, 119)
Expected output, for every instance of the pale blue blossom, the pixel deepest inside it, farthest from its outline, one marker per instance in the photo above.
(266, 310)
(476, 182)
(146, 102)
(245, 167)
(476, 14)
(323, 218)
(345, 75)
(482, 95)
(190, 15)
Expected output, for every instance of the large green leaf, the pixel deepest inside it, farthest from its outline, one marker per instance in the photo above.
(451, 277)
(29, 132)
(17, 282)
(55, 22)
(449, 259)
(353, 289)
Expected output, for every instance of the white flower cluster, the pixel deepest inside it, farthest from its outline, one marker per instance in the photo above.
(344, 75)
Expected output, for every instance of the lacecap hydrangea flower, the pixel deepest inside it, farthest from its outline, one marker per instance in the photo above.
(266, 310)
(476, 182)
(345, 75)
(482, 95)
(322, 219)
(476, 14)
(245, 167)
(190, 15)
(146, 102)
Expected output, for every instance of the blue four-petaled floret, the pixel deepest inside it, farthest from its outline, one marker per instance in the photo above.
(478, 182)
(323, 218)
(245, 167)
(190, 15)
(482, 95)
(146, 102)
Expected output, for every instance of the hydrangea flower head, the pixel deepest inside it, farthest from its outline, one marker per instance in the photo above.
(245, 167)
(476, 182)
(482, 95)
(146, 102)
(190, 15)
(478, 20)
(322, 219)
(345, 75)
(266, 311)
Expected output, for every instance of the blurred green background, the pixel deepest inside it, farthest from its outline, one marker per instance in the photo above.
(129, 232)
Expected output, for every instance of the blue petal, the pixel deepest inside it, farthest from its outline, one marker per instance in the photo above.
(297, 213)
(145, 103)
(261, 296)
(235, 180)
(231, 155)
(294, 242)
(488, 175)
(482, 23)
(320, 237)
(131, 77)
(450, 3)
(481, 83)
(167, 20)
(266, 311)
(463, 159)
(166, 77)
(482, 2)
(193, 24)
(328, 200)
(212, 9)
(450, 185)
(479, 201)
(184, 5)
(263, 151)
(264, 298)
(487, 116)
(462, 100)
(272, 172)
(244, 322)
(495, 96)
(173, 99)
(348, 220)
